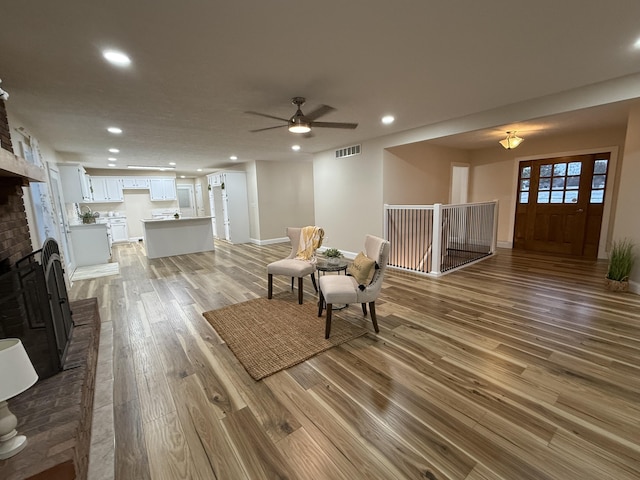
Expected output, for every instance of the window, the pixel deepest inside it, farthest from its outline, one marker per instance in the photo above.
(599, 180)
(559, 182)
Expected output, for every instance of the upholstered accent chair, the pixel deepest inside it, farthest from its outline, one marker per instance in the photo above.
(345, 289)
(296, 267)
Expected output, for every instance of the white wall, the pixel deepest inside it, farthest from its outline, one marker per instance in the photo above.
(348, 196)
(285, 196)
(627, 221)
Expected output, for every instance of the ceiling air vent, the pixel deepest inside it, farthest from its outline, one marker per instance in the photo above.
(348, 151)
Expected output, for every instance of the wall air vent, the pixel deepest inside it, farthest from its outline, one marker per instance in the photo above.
(348, 151)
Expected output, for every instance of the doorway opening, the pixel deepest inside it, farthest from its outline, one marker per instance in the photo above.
(560, 204)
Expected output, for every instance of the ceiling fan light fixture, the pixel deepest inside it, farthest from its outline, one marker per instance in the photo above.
(299, 125)
(512, 141)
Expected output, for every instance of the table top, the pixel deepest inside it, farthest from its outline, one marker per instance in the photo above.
(323, 265)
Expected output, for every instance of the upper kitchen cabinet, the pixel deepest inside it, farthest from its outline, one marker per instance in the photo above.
(75, 183)
(133, 183)
(162, 189)
(107, 189)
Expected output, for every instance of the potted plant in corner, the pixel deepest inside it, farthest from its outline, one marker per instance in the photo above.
(621, 260)
(333, 255)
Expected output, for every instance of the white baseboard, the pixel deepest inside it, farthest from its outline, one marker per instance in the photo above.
(504, 244)
(269, 241)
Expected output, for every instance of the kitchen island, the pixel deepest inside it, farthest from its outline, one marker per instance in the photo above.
(169, 237)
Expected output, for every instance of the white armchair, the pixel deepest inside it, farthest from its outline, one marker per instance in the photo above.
(294, 267)
(345, 289)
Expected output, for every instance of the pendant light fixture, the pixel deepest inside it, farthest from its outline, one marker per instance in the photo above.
(512, 141)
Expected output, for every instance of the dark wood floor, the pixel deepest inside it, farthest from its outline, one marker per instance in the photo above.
(518, 367)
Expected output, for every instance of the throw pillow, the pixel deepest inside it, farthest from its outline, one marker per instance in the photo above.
(361, 268)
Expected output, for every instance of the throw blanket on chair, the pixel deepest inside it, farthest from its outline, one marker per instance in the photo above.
(310, 241)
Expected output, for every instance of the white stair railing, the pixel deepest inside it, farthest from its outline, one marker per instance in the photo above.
(433, 239)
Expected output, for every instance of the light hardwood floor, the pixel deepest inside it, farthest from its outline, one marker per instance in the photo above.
(518, 367)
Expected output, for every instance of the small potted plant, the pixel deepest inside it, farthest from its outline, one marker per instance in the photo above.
(333, 255)
(621, 260)
(176, 215)
(88, 217)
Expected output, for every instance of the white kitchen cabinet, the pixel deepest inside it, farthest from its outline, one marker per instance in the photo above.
(107, 189)
(119, 230)
(90, 244)
(133, 183)
(162, 189)
(75, 183)
(230, 206)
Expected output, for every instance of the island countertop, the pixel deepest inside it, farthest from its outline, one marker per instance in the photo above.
(181, 219)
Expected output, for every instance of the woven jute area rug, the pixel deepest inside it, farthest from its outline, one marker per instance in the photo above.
(267, 336)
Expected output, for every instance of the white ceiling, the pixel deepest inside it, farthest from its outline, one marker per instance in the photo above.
(199, 65)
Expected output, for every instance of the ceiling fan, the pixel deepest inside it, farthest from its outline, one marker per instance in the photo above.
(301, 123)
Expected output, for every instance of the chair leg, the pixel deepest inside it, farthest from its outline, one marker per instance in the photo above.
(320, 304)
(300, 292)
(313, 280)
(364, 309)
(327, 328)
(270, 286)
(374, 320)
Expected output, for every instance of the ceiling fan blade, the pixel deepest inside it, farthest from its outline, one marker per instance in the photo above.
(268, 116)
(267, 128)
(320, 111)
(334, 125)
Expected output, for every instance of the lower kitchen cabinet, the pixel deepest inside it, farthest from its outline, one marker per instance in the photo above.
(90, 244)
(119, 230)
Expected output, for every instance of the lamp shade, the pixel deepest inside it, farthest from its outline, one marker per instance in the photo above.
(16, 370)
(512, 141)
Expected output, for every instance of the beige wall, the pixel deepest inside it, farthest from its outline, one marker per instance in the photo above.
(284, 192)
(419, 173)
(348, 196)
(627, 223)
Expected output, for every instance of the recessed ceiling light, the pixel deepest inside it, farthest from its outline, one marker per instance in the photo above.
(114, 150)
(637, 44)
(295, 148)
(198, 170)
(233, 157)
(116, 58)
(182, 176)
(111, 165)
(388, 119)
(172, 163)
(114, 130)
(112, 159)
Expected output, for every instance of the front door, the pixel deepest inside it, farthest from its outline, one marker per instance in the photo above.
(560, 204)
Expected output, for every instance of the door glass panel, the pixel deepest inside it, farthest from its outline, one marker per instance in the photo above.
(524, 185)
(575, 168)
(573, 183)
(543, 197)
(545, 170)
(556, 197)
(524, 197)
(558, 183)
(600, 166)
(597, 196)
(559, 169)
(571, 196)
(598, 181)
(544, 184)
(526, 172)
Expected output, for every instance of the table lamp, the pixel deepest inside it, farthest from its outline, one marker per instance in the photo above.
(16, 375)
